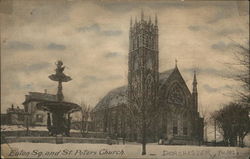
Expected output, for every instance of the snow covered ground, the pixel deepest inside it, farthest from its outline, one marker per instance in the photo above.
(46, 150)
(22, 128)
(12, 128)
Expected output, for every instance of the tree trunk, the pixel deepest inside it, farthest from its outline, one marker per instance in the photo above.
(144, 139)
(143, 143)
(241, 141)
(143, 148)
(87, 127)
(82, 125)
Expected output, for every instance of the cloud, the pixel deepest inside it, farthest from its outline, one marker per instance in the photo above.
(220, 15)
(195, 27)
(93, 27)
(210, 89)
(111, 54)
(126, 7)
(222, 46)
(207, 71)
(97, 29)
(17, 45)
(229, 31)
(25, 68)
(98, 79)
(54, 46)
(93, 80)
(112, 32)
(37, 66)
(28, 86)
(219, 32)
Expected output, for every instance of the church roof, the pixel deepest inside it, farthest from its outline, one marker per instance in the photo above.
(118, 96)
(114, 98)
(164, 75)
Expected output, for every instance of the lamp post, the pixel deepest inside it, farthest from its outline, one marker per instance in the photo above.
(27, 114)
(214, 132)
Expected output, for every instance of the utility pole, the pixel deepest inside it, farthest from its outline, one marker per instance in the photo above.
(205, 133)
(214, 132)
(27, 122)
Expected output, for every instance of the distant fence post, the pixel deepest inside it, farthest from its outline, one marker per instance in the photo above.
(109, 141)
(59, 139)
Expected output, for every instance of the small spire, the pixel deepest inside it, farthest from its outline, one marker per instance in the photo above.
(135, 19)
(195, 83)
(149, 19)
(156, 20)
(195, 80)
(131, 21)
(142, 14)
(176, 63)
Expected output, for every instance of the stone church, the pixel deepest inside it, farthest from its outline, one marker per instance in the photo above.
(178, 120)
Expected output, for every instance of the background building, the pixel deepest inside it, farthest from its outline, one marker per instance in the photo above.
(13, 116)
(37, 117)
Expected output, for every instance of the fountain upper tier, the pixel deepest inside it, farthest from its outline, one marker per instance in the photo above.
(60, 76)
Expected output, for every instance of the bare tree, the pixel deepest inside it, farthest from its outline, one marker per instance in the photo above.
(240, 71)
(206, 118)
(143, 110)
(233, 122)
(85, 111)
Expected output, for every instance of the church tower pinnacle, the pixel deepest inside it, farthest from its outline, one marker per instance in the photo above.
(195, 92)
(131, 22)
(156, 20)
(194, 83)
(142, 15)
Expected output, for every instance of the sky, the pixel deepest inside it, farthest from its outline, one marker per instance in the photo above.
(91, 38)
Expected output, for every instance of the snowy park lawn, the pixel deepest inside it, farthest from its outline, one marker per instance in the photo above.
(46, 150)
(22, 128)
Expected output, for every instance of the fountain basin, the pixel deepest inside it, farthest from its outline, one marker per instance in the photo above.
(60, 111)
(60, 106)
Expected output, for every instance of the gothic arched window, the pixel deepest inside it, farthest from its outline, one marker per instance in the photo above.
(176, 96)
(136, 61)
(136, 85)
(138, 42)
(175, 127)
(149, 84)
(149, 61)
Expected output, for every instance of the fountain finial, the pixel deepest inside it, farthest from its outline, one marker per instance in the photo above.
(59, 67)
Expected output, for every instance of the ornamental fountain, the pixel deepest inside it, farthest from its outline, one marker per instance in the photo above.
(59, 109)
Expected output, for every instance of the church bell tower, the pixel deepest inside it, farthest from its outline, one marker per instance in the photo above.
(143, 63)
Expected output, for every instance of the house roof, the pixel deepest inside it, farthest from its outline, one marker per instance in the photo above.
(15, 110)
(37, 96)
